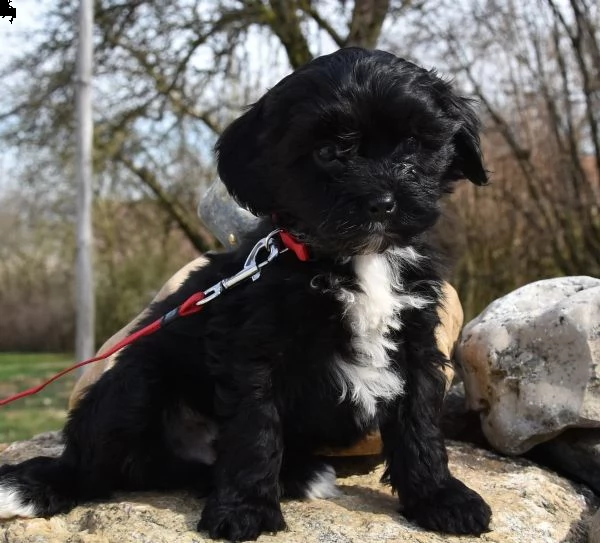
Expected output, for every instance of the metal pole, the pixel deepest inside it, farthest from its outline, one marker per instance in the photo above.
(85, 306)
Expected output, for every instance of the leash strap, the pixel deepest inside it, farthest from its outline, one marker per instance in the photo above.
(195, 303)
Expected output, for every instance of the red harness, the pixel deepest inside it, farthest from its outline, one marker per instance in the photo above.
(193, 304)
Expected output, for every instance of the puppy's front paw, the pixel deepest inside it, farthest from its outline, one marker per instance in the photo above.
(243, 521)
(453, 509)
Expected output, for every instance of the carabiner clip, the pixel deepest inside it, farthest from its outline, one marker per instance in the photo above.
(251, 267)
(268, 244)
(211, 293)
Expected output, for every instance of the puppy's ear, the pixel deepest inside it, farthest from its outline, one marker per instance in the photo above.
(240, 161)
(468, 161)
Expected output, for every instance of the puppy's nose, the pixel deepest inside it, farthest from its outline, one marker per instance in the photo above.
(381, 206)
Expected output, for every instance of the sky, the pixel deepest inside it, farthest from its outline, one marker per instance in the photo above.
(25, 20)
(12, 39)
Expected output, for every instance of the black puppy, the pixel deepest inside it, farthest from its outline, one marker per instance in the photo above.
(350, 154)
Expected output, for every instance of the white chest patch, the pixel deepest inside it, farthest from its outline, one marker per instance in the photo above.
(373, 313)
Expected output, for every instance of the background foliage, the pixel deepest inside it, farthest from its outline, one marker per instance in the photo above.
(170, 75)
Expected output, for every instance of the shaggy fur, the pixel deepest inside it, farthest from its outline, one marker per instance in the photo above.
(351, 154)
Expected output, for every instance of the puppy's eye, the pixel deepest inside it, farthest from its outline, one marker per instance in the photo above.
(327, 153)
(335, 153)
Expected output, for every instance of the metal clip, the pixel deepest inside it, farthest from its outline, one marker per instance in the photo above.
(251, 269)
(267, 244)
(211, 293)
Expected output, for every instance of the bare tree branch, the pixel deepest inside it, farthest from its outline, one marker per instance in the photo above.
(200, 237)
(367, 20)
(308, 7)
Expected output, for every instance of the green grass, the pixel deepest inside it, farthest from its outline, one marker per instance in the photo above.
(39, 413)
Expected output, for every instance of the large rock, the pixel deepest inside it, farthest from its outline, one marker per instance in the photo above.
(457, 422)
(531, 360)
(575, 453)
(223, 216)
(529, 505)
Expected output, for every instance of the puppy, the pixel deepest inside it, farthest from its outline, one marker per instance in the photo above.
(351, 155)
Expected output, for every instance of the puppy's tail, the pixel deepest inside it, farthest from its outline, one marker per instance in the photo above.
(38, 487)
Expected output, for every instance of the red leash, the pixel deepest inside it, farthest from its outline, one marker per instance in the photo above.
(193, 304)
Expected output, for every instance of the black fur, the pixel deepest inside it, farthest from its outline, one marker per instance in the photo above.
(351, 153)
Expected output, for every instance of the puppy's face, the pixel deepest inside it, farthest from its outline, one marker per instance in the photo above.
(353, 151)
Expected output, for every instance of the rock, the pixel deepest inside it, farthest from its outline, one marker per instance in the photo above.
(451, 321)
(529, 504)
(594, 529)
(531, 360)
(457, 422)
(46, 444)
(575, 453)
(223, 216)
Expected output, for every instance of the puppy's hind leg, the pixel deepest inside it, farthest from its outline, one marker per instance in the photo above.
(41, 486)
(44, 486)
(114, 439)
(117, 436)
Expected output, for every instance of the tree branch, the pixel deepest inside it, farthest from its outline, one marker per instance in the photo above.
(366, 23)
(198, 235)
(312, 12)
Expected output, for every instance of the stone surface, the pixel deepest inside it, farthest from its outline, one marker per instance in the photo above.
(531, 362)
(529, 504)
(457, 422)
(223, 216)
(575, 453)
(594, 528)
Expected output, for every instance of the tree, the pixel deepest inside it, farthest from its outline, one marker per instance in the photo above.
(172, 71)
(170, 76)
(534, 70)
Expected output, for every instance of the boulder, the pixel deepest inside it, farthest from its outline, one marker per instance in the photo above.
(223, 216)
(529, 505)
(575, 453)
(531, 362)
(594, 528)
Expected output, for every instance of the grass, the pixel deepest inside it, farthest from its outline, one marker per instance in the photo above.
(44, 411)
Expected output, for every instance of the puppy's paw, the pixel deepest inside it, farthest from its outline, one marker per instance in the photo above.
(322, 485)
(243, 521)
(310, 479)
(453, 509)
